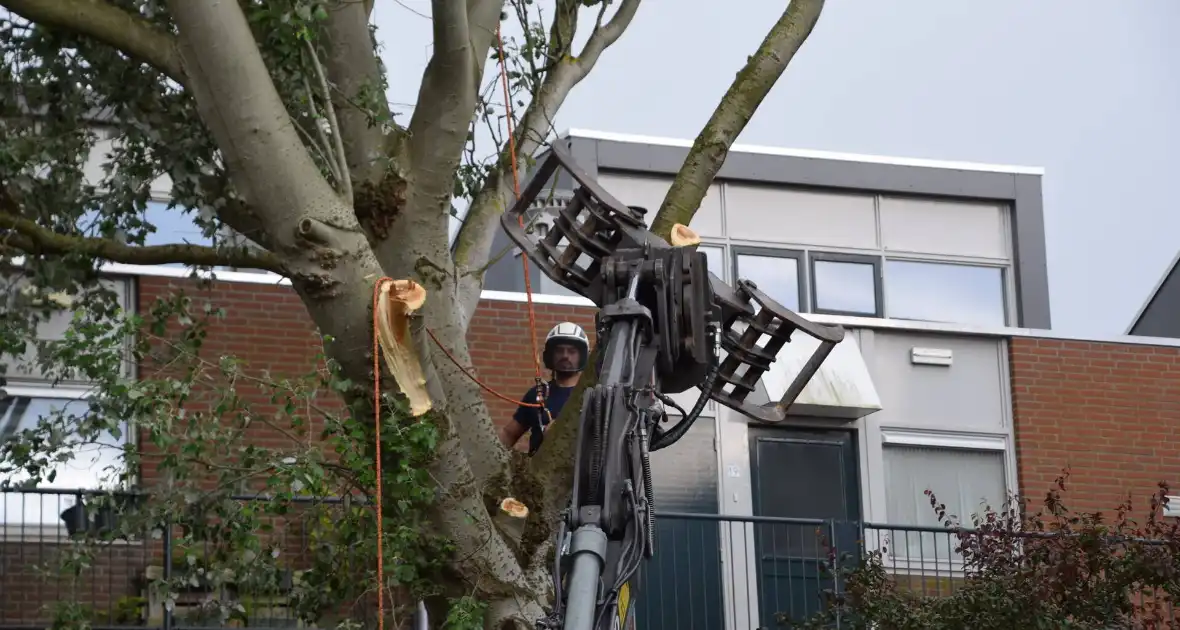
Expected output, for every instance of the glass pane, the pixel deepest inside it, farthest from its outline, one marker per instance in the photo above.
(965, 481)
(89, 465)
(52, 325)
(715, 257)
(172, 226)
(944, 292)
(847, 287)
(775, 276)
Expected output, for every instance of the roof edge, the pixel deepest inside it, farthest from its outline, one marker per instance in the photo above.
(1154, 292)
(808, 153)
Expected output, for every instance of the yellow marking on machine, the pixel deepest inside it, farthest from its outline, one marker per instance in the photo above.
(624, 603)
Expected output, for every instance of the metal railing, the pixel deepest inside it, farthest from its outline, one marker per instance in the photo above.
(710, 572)
(58, 557)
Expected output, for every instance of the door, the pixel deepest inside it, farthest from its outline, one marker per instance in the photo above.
(801, 474)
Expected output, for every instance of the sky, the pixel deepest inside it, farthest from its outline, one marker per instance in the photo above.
(1087, 90)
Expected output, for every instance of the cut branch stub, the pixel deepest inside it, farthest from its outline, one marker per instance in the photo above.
(396, 301)
(511, 518)
(683, 236)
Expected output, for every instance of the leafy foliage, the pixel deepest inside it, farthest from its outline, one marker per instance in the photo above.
(227, 502)
(1054, 569)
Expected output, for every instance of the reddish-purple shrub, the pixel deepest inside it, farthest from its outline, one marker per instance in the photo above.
(1047, 570)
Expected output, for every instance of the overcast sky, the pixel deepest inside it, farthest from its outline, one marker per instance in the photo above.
(1088, 90)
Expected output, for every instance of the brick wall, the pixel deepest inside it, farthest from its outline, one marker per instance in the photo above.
(267, 327)
(502, 352)
(28, 594)
(1110, 412)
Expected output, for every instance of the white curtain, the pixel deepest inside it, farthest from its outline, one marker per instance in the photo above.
(966, 481)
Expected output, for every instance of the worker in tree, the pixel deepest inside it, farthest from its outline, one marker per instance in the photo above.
(566, 351)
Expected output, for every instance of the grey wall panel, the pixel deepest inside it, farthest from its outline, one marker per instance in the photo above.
(648, 191)
(803, 217)
(945, 227)
(779, 169)
(967, 394)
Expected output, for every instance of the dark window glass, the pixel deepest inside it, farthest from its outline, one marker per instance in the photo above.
(845, 287)
(775, 276)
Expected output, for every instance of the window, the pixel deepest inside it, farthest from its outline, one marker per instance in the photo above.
(945, 292)
(173, 226)
(966, 480)
(52, 327)
(715, 257)
(844, 284)
(92, 465)
(776, 272)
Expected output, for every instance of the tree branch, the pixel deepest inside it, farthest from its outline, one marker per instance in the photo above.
(337, 146)
(320, 141)
(604, 36)
(264, 155)
(39, 240)
(745, 94)
(463, 33)
(473, 244)
(108, 24)
(355, 74)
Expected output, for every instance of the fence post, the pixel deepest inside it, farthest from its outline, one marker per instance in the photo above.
(167, 571)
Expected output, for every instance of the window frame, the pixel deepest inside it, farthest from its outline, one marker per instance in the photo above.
(1008, 296)
(38, 386)
(948, 442)
(875, 261)
(19, 530)
(798, 255)
(128, 285)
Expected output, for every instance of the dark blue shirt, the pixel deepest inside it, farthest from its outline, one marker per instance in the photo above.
(535, 419)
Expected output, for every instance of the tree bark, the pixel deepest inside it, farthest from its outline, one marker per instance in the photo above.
(275, 173)
(459, 511)
(463, 34)
(745, 94)
(354, 70)
(448, 94)
(267, 161)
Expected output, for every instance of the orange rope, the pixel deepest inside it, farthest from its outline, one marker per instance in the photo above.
(472, 376)
(377, 431)
(524, 258)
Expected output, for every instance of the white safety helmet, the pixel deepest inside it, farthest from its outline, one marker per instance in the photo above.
(568, 333)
